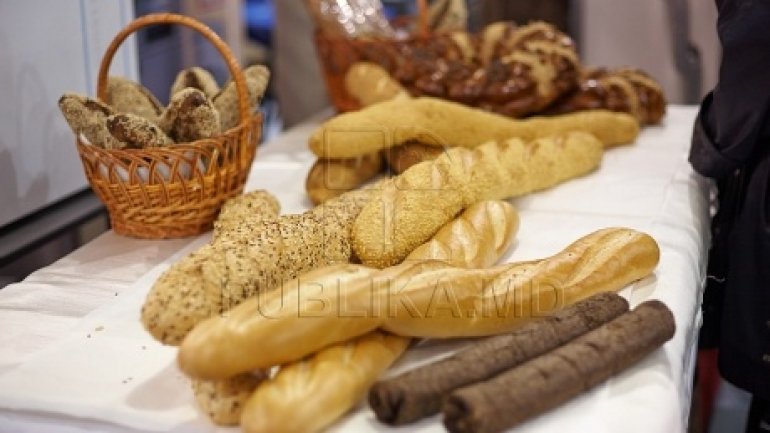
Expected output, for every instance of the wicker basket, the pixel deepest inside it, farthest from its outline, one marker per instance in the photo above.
(337, 54)
(173, 191)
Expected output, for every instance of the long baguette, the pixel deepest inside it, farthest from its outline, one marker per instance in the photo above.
(246, 258)
(336, 377)
(443, 123)
(409, 300)
(545, 382)
(413, 205)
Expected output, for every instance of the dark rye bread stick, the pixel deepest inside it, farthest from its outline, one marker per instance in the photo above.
(549, 380)
(420, 392)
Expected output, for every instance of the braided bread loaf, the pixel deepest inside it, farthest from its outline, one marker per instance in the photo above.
(481, 302)
(255, 254)
(625, 90)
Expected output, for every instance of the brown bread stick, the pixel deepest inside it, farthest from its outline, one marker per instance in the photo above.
(550, 380)
(419, 393)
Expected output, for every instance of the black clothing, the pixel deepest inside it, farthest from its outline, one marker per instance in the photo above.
(759, 416)
(731, 143)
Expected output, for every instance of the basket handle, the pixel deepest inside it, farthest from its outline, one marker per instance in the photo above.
(167, 18)
(422, 18)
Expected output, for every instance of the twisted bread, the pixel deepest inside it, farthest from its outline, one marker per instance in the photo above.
(347, 301)
(328, 178)
(412, 206)
(241, 261)
(436, 122)
(625, 90)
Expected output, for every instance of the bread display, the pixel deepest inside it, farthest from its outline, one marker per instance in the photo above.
(442, 123)
(247, 259)
(335, 378)
(412, 206)
(260, 333)
(420, 392)
(625, 90)
(547, 381)
(132, 118)
(328, 178)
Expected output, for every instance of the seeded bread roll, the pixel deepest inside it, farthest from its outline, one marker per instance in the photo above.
(226, 101)
(88, 117)
(341, 303)
(190, 116)
(126, 96)
(137, 132)
(328, 178)
(436, 122)
(413, 205)
(196, 78)
(247, 259)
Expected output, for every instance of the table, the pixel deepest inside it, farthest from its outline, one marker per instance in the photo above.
(74, 358)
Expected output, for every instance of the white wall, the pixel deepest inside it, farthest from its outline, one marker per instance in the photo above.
(48, 48)
(637, 33)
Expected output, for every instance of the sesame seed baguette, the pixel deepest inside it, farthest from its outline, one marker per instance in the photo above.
(412, 206)
(421, 299)
(437, 122)
(247, 258)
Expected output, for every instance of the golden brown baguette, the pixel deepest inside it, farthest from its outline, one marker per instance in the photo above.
(308, 396)
(442, 123)
(253, 256)
(336, 377)
(370, 84)
(422, 299)
(412, 206)
(329, 178)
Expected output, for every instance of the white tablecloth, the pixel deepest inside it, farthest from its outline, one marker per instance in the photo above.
(73, 356)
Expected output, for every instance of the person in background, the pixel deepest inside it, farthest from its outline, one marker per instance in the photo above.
(299, 84)
(731, 144)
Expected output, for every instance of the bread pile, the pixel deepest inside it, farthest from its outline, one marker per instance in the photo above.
(352, 147)
(512, 70)
(132, 118)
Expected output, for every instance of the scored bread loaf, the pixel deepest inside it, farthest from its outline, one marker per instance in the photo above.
(412, 206)
(244, 259)
(436, 122)
(403, 300)
(307, 396)
(328, 178)
(337, 376)
(196, 78)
